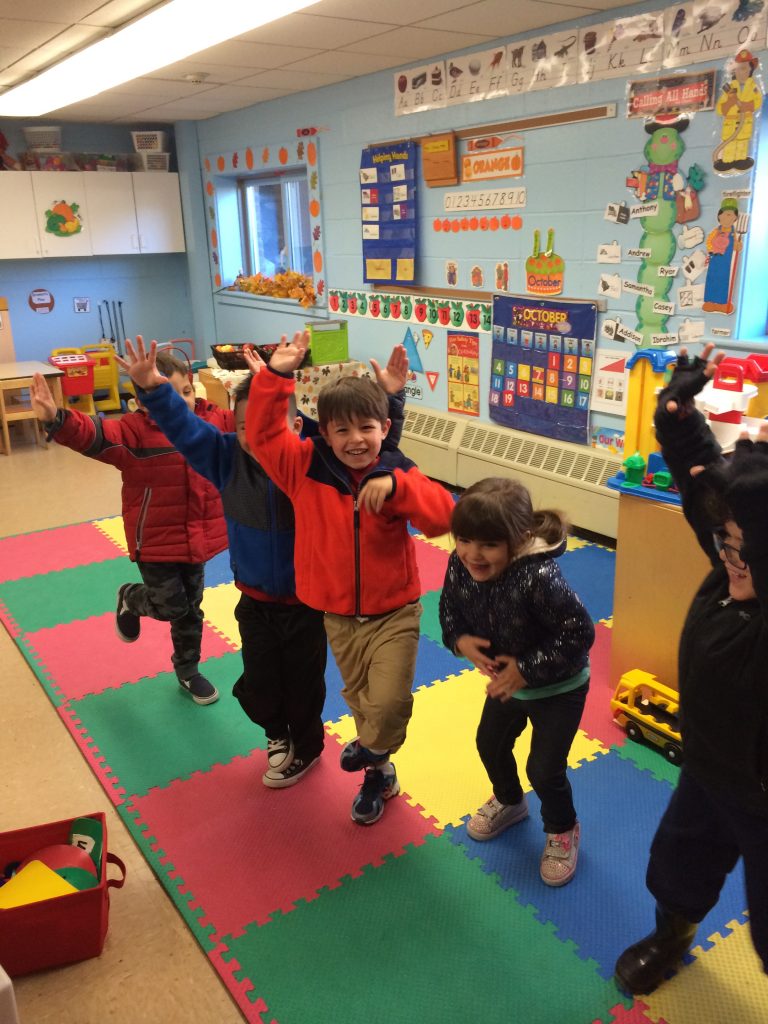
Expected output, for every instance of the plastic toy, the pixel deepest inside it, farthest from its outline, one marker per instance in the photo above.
(77, 381)
(648, 710)
(647, 369)
(634, 469)
(106, 376)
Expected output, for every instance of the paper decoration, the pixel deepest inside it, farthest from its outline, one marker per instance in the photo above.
(311, 380)
(544, 62)
(623, 47)
(724, 245)
(513, 198)
(388, 201)
(610, 286)
(421, 88)
(685, 93)
(609, 252)
(464, 373)
(542, 365)
(703, 30)
(430, 310)
(494, 163)
(609, 393)
(739, 105)
(477, 76)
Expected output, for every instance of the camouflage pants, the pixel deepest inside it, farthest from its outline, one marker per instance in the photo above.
(172, 592)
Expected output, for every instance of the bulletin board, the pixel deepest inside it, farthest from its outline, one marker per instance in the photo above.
(388, 213)
(542, 365)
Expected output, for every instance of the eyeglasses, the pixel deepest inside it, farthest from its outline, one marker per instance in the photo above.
(733, 555)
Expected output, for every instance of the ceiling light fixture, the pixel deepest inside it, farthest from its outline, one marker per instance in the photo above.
(164, 36)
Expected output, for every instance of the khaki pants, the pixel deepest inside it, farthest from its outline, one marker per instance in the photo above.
(377, 661)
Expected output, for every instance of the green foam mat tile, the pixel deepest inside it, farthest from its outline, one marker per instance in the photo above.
(430, 620)
(648, 759)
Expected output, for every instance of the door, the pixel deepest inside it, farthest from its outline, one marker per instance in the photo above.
(158, 211)
(112, 213)
(61, 211)
(19, 237)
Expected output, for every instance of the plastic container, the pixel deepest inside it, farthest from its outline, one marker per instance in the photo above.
(151, 161)
(43, 138)
(149, 140)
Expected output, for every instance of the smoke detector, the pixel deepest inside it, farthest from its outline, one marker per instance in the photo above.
(196, 77)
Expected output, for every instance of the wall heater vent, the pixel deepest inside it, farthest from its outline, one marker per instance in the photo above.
(558, 474)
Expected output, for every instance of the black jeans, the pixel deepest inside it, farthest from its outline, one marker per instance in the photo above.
(282, 687)
(554, 721)
(697, 844)
(173, 592)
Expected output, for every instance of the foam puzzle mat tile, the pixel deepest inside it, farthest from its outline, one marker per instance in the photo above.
(219, 603)
(432, 562)
(32, 554)
(589, 570)
(114, 529)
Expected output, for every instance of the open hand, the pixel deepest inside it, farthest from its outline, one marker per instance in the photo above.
(141, 364)
(253, 359)
(690, 376)
(375, 492)
(42, 400)
(473, 648)
(289, 355)
(395, 374)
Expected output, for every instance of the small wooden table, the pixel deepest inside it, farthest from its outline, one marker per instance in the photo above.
(16, 377)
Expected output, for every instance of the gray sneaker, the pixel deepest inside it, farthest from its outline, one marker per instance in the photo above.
(493, 817)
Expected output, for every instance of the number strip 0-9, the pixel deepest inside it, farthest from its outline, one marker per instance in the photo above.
(492, 199)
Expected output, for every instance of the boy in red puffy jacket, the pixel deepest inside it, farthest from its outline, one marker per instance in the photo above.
(173, 517)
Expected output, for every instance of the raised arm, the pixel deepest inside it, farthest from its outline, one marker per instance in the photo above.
(746, 497)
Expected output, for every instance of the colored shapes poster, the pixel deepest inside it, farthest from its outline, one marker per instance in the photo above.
(388, 213)
(542, 363)
(464, 373)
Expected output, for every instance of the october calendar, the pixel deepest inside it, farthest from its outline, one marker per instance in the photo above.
(542, 363)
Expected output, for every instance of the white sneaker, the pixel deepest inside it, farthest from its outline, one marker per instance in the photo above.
(558, 862)
(493, 817)
(280, 753)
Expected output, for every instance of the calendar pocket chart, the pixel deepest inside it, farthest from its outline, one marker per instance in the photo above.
(542, 366)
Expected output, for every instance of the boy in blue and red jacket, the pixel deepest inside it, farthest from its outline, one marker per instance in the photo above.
(355, 559)
(172, 517)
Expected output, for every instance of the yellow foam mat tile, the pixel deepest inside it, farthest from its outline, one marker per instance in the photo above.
(574, 543)
(219, 610)
(113, 528)
(445, 542)
(608, 623)
(439, 767)
(724, 985)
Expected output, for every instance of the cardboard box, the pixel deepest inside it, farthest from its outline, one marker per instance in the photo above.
(214, 388)
(61, 930)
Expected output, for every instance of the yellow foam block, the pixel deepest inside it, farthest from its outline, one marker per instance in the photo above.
(439, 767)
(113, 528)
(219, 610)
(725, 984)
(445, 542)
(35, 882)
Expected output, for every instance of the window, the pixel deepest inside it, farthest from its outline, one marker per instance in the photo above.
(275, 223)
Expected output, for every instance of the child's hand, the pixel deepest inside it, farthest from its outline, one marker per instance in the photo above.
(507, 679)
(253, 359)
(689, 377)
(288, 355)
(141, 365)
(375, 492)
(395, 374)
(472, 648)
(40, 395)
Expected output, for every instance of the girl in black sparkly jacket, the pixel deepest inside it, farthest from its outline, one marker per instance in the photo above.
(507, 609)
(719, 811)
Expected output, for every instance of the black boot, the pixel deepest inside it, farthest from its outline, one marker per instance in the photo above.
(642, 966)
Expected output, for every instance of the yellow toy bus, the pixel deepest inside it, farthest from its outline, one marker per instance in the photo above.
(648, 710)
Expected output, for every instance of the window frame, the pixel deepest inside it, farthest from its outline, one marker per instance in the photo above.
(250, 244)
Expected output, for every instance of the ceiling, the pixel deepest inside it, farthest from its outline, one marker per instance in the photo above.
(327, 42)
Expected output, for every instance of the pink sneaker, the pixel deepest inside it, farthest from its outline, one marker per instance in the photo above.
(558, 862)
(494, 817)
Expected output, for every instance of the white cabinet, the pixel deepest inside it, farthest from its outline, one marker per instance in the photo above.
(61, 212)
(81, 213)
(19, 237)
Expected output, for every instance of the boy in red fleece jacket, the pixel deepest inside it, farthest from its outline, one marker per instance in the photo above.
(354, 557)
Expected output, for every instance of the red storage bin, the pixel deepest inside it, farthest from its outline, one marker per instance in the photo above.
(62, 930)
(78, 373)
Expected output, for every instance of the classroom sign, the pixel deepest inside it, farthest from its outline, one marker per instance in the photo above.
(388, 213)
(542, 362)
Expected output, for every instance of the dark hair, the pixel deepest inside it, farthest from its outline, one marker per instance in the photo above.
(168, 365)
(352, 398)
(500, 509)
(243, 390)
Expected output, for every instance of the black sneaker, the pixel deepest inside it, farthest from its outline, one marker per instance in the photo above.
(368, 805)
(355, 757)
(295, 772)
(280, 752)
(127, 623)
(200, 689)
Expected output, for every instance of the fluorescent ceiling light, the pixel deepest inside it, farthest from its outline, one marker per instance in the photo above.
(164, 36)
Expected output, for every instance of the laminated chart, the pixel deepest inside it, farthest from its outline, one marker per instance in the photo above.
(388, 213)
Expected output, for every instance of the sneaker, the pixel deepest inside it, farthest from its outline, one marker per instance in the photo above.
(558, 862)
(200, 689)
(280, 752)
(290, 775)
(354, 757)
(127, 624)
(377, 787)
(493, 817)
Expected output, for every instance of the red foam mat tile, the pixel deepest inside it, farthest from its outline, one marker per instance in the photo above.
(432, 562)
(597, 720)
(87, 656)
(244, 851)
(52, 550)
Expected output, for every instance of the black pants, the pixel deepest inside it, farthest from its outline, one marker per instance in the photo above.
(554, 721)
(282, 687)
(698, 842)
(172, 592)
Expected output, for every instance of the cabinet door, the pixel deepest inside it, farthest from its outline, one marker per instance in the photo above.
(19, 238)
(61, 210)
(158, 211)
(112, 213)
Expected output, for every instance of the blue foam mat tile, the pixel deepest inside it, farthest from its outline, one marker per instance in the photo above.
(589, 570)
(433, 662)
(606, 906)
(218, 570)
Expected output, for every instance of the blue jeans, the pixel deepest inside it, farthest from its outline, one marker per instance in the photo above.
(697, 844)
(554, 721)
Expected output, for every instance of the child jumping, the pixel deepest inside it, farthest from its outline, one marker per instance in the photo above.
(172, 517)
(507, 609)
(355, 559)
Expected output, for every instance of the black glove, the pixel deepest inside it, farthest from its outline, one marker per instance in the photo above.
(746, 492)
(688, 378)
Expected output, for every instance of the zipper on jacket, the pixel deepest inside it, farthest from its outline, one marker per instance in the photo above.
(142, 519)
(272, 530)
(356, 530)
